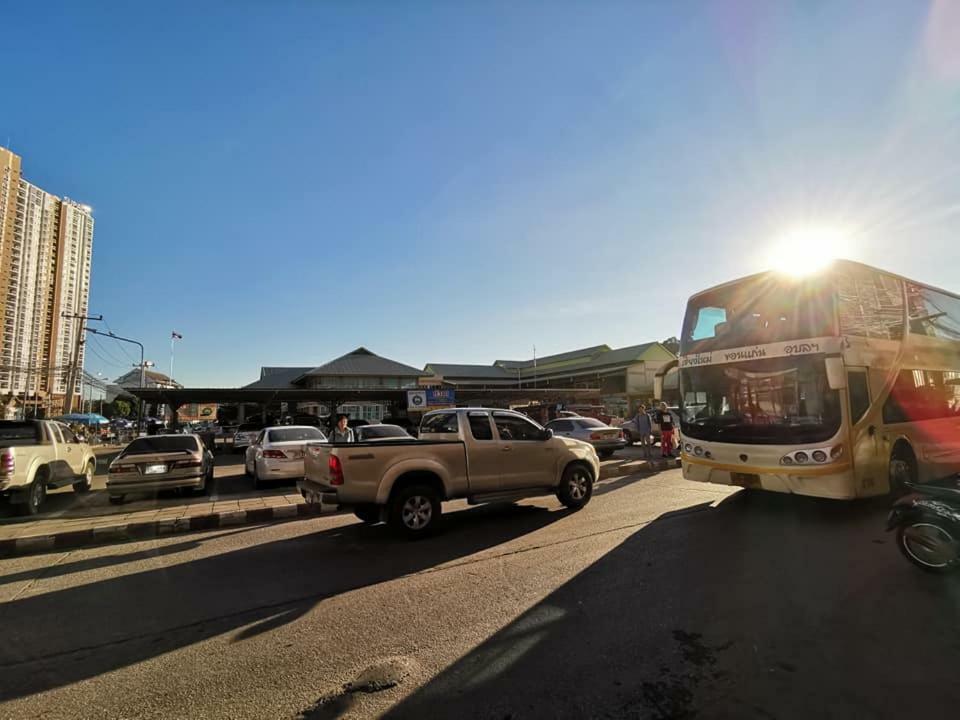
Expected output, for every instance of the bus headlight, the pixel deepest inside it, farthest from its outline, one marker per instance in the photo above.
(818, 456)
(698, 451)
(688, 447)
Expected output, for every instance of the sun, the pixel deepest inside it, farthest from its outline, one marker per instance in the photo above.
(805, 250)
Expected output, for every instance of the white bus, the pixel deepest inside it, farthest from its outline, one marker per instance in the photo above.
(843, 384)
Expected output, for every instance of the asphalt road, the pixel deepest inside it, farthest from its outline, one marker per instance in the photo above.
(661, 599)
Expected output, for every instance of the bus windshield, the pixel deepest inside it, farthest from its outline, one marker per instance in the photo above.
(777, 401)
(764, 309)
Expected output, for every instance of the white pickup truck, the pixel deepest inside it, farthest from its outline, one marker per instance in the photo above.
(479, 454)
(37, 455)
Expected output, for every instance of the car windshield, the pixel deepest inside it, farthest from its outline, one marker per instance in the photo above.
(775, 401)
(18, 433)
(375, 432)
(758, 310)
(161, 444)
(294, 434)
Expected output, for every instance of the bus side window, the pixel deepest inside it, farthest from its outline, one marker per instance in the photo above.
(859, 391)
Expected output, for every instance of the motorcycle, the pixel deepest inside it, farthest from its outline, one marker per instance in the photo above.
(927, 521)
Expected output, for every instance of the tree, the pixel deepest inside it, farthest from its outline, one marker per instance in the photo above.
(121, 407)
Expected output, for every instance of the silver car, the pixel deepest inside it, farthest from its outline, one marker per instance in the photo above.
(160, 462)
(381, 432)
(605, 439)
(277, 452)
(245, 436)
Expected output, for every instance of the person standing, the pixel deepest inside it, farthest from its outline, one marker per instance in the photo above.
(665, 421)
(341, 431)
(644, 431)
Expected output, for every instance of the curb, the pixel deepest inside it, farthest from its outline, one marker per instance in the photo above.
(71, 539)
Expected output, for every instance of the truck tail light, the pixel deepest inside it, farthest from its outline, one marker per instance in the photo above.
(336, 470)
(7, 463)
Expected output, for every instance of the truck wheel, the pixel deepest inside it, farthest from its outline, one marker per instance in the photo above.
(369, 514)
(576, 487)
(83, 486)
(415, 511)
(35, 495)
(902, 469)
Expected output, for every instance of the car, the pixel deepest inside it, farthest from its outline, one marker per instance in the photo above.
(160, 462)
(40, 455)
(607, 440)
(483, 455)
(381, 432)
(245, 435)
(629, 427)
(277, 452)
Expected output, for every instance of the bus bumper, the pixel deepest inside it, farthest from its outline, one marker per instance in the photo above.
(832, 481)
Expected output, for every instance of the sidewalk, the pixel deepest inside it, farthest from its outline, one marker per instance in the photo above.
(72, 520)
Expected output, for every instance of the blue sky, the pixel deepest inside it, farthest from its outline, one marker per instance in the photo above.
(281, 182)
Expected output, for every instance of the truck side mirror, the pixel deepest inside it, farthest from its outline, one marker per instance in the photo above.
(836, 377)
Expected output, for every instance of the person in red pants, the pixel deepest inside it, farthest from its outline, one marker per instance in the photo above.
(665, 421)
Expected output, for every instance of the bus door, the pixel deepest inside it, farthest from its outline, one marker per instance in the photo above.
(869, 470)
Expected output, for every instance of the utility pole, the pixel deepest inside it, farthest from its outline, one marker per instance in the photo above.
(73, 371)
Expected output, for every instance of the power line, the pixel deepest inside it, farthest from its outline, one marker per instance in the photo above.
(119, 344)
(93, 349)
(115, 360)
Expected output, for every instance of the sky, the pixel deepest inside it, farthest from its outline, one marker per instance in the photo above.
(281, 182)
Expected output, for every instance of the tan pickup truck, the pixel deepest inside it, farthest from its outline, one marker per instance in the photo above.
(37, 455)
(479, 454)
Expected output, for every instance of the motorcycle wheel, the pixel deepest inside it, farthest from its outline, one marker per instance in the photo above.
(929, 545)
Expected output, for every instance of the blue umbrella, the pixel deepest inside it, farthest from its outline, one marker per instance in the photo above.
(85, 418)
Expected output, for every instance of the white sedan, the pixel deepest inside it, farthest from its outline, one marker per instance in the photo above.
(277, 452)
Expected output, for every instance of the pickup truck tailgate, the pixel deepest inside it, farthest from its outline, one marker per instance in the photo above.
(316, 458)
(367, 470)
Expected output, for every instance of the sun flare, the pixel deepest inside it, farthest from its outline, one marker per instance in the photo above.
(803, 251)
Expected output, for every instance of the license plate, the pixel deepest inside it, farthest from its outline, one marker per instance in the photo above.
(154, 469)
(745, 480)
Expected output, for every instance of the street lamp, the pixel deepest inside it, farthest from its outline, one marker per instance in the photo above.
(142, 367)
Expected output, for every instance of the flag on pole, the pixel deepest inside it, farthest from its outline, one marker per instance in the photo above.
(176, 336)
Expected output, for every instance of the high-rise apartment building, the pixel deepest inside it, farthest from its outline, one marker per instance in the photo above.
(46, 244)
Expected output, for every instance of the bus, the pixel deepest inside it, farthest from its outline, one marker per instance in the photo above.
(842, 384)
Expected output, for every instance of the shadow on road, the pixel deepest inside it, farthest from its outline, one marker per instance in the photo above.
(766, 606)
(61, 637)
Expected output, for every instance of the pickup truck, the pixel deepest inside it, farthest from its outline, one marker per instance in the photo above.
(37, 455)
(479, 454)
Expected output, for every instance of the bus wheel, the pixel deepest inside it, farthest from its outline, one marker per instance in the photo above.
(902, 470)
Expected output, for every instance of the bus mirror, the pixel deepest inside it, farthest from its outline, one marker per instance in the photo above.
(836, 377)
